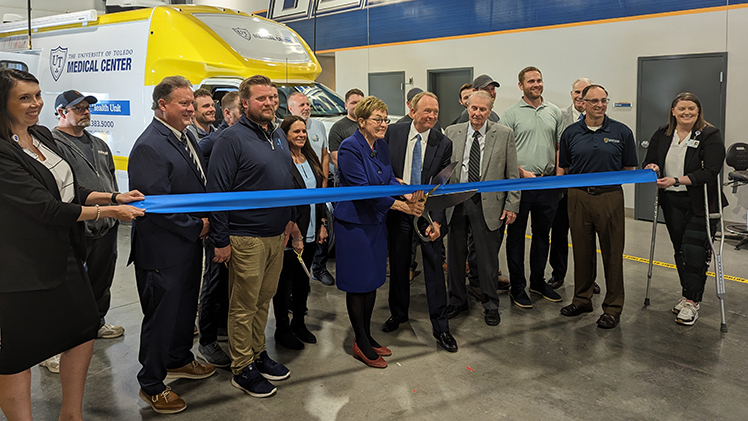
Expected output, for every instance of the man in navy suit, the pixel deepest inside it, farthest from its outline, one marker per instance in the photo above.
(418, 153)
(167, 248)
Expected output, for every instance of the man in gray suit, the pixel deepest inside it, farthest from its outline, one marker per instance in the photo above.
(559, 252)
(485, 151)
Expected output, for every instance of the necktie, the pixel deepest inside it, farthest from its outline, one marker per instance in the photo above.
(474, 164)
(195, 159)
(581, 117)
(415, 166)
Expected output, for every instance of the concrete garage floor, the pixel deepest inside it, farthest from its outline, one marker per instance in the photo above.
(535, 365)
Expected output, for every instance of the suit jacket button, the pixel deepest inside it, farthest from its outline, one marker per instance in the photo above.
(379, 172)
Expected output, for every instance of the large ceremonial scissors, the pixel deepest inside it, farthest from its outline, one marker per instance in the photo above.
(433, 201)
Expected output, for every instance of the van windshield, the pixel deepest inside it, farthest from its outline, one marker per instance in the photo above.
(323, 101)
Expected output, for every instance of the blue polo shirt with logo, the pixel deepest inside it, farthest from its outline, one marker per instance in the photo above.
(610, 148)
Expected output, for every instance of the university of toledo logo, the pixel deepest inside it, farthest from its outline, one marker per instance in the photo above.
(243, 32)
(57, 60)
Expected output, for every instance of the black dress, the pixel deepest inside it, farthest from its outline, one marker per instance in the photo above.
(46, 301)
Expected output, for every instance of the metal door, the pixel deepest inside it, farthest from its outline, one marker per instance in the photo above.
(390, 88)
(660, 80)
(446, 83)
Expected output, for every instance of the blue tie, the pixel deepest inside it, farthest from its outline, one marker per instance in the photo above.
(581, 117)
(415, 166)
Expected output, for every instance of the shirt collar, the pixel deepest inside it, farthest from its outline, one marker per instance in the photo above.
(413, 132)
(176, 132)
(523, 103)
(482, 130)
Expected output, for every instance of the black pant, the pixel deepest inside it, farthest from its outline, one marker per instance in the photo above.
(214, 297)
(400, 238)
(559, 252)
(101, 259)
(690, 242)
(293, 287)
(470, 214)
(168, 298)
(542, 204)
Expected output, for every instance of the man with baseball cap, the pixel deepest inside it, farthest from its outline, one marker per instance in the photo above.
(482, 83)
(91, 159)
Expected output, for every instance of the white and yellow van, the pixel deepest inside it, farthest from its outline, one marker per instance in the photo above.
(120, 57)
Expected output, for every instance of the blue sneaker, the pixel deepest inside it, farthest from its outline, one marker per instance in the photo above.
(252, 383)
(270, 369)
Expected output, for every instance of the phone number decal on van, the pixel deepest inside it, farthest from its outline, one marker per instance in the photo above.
(105, 124)
(111, 107)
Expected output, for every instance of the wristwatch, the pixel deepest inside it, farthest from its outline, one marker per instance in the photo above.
(677, 182)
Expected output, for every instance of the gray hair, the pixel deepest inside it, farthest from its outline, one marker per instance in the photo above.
(482, 94)
(165, 88)
(581, 79)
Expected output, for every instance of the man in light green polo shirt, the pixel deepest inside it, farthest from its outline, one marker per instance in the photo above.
(537, 126)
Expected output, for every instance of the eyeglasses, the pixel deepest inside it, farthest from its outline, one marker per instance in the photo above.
(79, 109)
(379, 121)
(597, 101)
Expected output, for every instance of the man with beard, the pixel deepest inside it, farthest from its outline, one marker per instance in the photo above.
(250, 156)
(92, 162)
(205, 114)
(537, 126)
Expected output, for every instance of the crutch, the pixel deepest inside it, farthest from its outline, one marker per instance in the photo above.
(652, 246)
(719, 273)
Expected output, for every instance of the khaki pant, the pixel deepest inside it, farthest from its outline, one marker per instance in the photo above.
(603, 215)
(254, 269)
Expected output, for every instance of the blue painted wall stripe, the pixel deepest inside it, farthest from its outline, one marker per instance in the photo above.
(427, 19)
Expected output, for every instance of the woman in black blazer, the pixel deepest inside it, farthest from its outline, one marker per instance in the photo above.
(43, 282)
(293, 285)
(688, 153)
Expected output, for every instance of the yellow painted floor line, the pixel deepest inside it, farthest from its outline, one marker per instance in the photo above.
(665, 265)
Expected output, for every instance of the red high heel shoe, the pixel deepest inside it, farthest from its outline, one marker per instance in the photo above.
(378, 363)
(382, 351)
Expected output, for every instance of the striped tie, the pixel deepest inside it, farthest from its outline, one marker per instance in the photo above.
(195, 159)
(474, 163)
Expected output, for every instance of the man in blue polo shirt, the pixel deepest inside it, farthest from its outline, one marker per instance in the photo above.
(597, 144)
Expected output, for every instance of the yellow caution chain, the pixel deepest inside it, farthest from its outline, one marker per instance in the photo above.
(665, 265)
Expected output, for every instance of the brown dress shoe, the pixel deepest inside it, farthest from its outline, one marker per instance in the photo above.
(193, 370)
(574, 310)
(166, 402)
(595, 288)
(378, 363)
(382, 351)
(608, 321)
(504, 283)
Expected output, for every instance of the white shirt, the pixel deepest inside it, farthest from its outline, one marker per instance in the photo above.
(317, 136)
(60, 169)
(675, 160)
(468, 144)
(574, 114)
(409, 153)
(179, 134)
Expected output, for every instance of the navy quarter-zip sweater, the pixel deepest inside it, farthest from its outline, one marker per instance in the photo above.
(245, 157)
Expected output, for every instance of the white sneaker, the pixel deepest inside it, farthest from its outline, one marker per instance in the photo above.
(52, 364)
(109, 331)
(679, 305)
(688, 314)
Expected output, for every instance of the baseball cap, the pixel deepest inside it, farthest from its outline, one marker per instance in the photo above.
(413, 92)
(72, 97)
(483, 81)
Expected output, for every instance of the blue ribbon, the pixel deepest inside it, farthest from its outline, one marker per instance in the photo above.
(213, 202)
